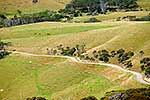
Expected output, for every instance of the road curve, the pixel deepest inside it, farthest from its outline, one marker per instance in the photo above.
(138, 76)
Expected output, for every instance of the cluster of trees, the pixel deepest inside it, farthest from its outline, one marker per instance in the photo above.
(3, 52)
(101, 6)
(20, 19)
(101, 55)
(122, 56)
(145, 64)
(67, 51)
(36, 98)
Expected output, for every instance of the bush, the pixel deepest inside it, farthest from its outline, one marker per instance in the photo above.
(145, 18)
(104, 55)
(89, 98)
(147, 72)
(91, 20)
(2, 16)
(36, 98)
(3, 52)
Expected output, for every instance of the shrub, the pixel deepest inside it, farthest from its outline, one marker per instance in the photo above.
(113, 53)
(145, 18)
(3, 52)
(2, 16)
(89, 98)
(147, 72)
(36, 98)
(104, 55)
(91, 20)
(120, 52)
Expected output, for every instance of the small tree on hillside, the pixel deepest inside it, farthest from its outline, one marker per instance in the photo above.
(34, 1)
(141, 53)
(89, 98)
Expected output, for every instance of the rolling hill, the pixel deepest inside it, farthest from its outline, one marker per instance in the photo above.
(11, 6)
(58, 78)
(54, 78)
(119, 35)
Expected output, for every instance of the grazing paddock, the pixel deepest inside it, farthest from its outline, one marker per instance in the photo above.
(26, 76)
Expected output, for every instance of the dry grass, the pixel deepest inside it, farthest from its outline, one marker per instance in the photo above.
(127, 35)
(55, 78)
(11, 6)
(144, 4)
(113, 16)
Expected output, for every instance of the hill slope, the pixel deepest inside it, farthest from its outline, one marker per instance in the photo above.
(27, 5)
(119, 35)
(11, 6)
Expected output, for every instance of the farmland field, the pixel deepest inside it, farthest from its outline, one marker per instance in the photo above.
(33, 69)
(56, 78)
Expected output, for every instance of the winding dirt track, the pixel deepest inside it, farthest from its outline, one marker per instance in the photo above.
(138, 76)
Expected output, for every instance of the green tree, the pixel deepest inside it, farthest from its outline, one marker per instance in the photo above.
(147, 72)
(89, 98)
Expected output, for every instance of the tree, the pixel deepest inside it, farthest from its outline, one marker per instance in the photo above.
(89, 98)
(128, 64)
(100, 6)
(3, 52)
(141, 53)
(142, 67)
(113, 53)
(147, 72)
(126, 4)
(120, 52)
(2, 16)
(19, 12)
(145, 60)
(36, 98)
(95, 54)
(104, 55)
(34, 1)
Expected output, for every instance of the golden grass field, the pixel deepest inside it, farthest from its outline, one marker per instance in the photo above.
(105, 35)
(112, 16)
(23, 76)
(11, 6)
(56, 78)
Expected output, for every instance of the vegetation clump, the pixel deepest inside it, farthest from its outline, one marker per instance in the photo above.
(3, 51)
(33, 18)
(92, 20)
(101, 55)
(89, 98)
(130, 94)
(101, 6)
(36, 98)
(145, 18)
(67, 51)
(122, 56)
(145, 65)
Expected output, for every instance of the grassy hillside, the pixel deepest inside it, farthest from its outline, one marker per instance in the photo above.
(112, 16)
(55, 78)
(106, 35)
(144, 4)
(11, 6)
